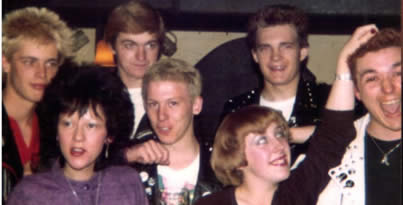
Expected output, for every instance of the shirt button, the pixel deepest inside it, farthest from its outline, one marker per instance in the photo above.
(86, 187)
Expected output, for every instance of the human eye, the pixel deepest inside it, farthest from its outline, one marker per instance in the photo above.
(129, 44)
(370, 79)
(173, 103)
(152, 45)
(92, 125)
(52, 64)
(66, 123)
(260, 140)
(263, 48)
(28, 61)
(151, 104)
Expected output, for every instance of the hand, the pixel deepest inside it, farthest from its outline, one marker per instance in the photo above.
(361, 35)
(149, 152)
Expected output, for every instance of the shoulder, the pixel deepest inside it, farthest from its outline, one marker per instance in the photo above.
(223, 197)
(30, 187)
(120, 172)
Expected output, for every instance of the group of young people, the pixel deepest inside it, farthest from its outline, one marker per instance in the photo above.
(70, 131)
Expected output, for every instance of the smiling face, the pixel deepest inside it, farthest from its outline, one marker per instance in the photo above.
(171, 109)
(30, 69)
(378, 77)
(267, 155)
(135, 54)
(81, 141)
(278, 54)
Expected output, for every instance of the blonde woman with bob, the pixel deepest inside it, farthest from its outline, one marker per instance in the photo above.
(251, 152)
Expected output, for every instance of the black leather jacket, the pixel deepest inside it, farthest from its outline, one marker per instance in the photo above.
(310, 100)
(206, 184)
(12, 170)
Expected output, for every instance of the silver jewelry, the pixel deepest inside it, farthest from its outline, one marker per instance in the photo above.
(107, 151)
(76, 195)
(385, 159)
(343, 76)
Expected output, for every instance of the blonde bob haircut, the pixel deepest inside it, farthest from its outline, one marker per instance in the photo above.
(229, 143)
(38, 24)
(175, 70)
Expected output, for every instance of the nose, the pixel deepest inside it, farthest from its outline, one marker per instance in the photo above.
(387, 85)
(276, 54)
(78, 134)
(141, 53)
(41, 70)
(162, 113)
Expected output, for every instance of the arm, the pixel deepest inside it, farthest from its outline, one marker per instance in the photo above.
(344, 88)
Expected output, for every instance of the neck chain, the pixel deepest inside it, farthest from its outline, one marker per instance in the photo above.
(76, 195)
(385, 159)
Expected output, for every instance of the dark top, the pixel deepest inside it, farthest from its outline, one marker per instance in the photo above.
(310, 100)
(383, 183)
(12, 170)
(326, 150)
(206, 181)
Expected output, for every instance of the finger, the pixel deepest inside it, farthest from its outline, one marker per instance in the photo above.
(161, 153)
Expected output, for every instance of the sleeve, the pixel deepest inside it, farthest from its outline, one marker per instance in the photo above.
(326, 150)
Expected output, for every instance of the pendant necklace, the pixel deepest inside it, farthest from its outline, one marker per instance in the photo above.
(385, 159)
(73, 191)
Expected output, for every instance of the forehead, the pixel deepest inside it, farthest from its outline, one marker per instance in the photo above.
(284, 32)
(167, 88)
(36, 48)
(380, 61)
(138, 38)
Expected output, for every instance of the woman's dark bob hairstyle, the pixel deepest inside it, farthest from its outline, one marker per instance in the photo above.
(78, 89)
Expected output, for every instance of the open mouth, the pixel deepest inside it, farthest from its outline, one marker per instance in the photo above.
(391, 107)
(280, 161)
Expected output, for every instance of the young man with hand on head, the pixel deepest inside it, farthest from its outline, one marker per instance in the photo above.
(370, 172)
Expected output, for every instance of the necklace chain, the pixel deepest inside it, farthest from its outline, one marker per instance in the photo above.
(76, 195)
(385, 159)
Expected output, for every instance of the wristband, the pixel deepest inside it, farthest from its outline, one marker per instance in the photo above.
(343, 76)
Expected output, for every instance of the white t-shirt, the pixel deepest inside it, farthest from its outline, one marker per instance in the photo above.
(284, 106)
(177, 186)
(137, 100)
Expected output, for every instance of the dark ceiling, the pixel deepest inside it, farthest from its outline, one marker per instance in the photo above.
(326, 16)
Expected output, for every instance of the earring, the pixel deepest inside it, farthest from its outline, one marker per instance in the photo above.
(107, 151)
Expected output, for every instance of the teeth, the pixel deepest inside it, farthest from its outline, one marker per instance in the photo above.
(391, 102)
(78, 150)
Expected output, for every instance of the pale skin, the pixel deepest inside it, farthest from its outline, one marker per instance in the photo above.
(171, 109)
(279, 55)
(29, 70)
(262, 191)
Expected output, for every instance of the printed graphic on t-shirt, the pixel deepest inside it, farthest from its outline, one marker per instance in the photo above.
(172, 194)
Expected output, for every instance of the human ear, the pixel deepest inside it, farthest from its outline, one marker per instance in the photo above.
(303, 53)
(197, 105)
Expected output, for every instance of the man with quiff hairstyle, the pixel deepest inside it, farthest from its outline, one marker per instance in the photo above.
(35, 43)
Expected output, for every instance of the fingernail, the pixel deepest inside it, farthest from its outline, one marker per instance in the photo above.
(373, 31)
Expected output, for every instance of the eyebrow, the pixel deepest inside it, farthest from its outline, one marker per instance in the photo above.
(370, 70)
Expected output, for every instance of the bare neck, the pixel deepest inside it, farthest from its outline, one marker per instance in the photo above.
(19, 109)
(183, 153)
(273, 92)
(255, 193)
(383, 133)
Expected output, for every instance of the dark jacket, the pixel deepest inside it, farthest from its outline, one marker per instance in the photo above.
(206, 181)
(310, 100)
(12, 169)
